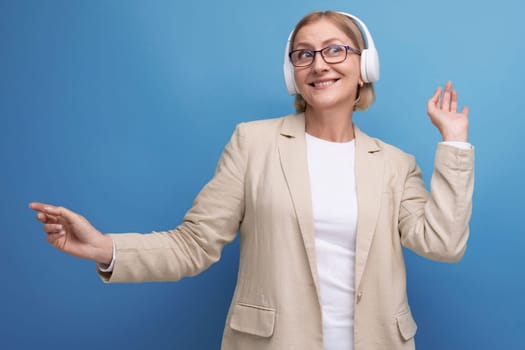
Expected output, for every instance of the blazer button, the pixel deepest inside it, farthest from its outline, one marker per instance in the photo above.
(359, 296)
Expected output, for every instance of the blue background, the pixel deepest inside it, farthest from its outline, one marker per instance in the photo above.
(120, 110)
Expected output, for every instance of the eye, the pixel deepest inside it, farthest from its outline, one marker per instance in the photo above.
(304, 54)
(302, 57)
(334, 50)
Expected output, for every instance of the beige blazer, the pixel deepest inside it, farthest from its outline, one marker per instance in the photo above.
(261, 188)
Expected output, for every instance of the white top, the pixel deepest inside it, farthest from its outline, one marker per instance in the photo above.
(331, 168)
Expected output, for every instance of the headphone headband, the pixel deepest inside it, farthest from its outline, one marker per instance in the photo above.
(369, 58)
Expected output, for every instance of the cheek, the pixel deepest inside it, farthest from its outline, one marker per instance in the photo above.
(356, 68)
(350, 68)
(300, 77)
(299, 74)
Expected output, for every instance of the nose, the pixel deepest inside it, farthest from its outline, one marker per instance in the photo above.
(319, 64)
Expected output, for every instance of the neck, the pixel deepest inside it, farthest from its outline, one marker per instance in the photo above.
(330, 125)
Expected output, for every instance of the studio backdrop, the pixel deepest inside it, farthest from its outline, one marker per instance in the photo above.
(120, 110)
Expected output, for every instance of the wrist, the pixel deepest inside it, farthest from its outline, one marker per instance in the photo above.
(459, 137)
(104, 250)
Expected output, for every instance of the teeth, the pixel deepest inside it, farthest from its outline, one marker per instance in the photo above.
(324, 83)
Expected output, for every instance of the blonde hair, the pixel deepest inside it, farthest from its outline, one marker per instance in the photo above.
(365, 93)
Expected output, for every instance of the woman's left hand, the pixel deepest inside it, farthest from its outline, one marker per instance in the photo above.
(442, 110)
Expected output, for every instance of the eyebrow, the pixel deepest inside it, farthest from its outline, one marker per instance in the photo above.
(307, 44)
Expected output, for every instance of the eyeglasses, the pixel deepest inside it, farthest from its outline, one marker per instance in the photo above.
(330, 54)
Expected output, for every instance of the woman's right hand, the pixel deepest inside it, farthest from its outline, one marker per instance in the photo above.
(73, 234)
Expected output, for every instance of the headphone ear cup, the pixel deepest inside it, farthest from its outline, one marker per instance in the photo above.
(370, 65)
(288, 70)
(289, 77)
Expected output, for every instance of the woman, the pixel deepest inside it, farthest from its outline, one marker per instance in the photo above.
(323, 210)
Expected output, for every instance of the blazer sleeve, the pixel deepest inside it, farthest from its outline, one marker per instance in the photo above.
(436, 224)
(212, 221)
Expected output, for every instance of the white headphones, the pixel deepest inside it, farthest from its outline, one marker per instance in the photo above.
(369, 58)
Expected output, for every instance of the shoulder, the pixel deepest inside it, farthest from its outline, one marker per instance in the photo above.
(269, 124)
(263, 129)
(395, 152)
(389, 152)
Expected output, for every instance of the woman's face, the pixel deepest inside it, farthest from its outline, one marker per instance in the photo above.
(326, 86)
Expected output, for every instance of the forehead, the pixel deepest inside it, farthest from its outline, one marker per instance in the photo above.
(320, 32)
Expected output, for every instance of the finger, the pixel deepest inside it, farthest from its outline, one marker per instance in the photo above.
(445, 102)
(454, 101)
(53, 238)
(39, 206)
(434, 100)
(464, 111)
(43, 210)
(53, 228)
(62, 214)
(437, 93)
(44, 218)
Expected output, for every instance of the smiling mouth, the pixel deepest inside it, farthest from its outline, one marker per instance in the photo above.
(321, 84)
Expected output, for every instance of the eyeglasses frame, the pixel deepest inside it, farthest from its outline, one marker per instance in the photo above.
(314, 52)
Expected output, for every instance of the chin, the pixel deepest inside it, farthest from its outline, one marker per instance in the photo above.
(324, 104)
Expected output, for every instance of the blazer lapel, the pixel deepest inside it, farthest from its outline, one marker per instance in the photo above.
(292, 153)
(369, 170)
